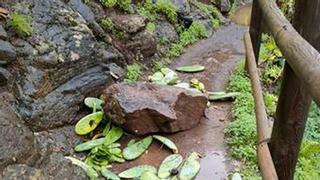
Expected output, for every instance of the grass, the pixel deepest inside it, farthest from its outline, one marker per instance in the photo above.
(20, 24)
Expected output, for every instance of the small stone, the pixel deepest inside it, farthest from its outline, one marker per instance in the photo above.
(143, 108)
(7, 51)
(3, 33)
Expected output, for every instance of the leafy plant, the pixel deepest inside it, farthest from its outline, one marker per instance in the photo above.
(151, 27)
(242, 130)
(107, 24)
(150, 10)
(309, 161)
(133, 72)
(270, 101)
(312, 131)
(20, 24)
(167, 8)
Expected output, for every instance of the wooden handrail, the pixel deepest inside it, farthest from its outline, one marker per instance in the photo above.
(303, 58)
(266, 165)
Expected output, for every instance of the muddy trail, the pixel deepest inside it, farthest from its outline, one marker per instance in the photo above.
(219, 54)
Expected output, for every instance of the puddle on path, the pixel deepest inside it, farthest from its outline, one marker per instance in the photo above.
(219, 54)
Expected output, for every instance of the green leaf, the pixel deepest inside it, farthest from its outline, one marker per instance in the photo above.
(114, 135)
(108, 174)
(137, 171)
(170, 78)
(91, 173)
(214, 96)
(137, 149)
(147, 175)
(169, 163)
(89, 144)
(107, 128)
(190, 167)
(191, 69)
(88, 123)
(131, 142)
(93, 102)
(166, 142)
(156, 77)
(236, 176)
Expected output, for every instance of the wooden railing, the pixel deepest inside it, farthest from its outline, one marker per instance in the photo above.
(277, 154)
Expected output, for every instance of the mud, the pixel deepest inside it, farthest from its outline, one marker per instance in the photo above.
(219, 54)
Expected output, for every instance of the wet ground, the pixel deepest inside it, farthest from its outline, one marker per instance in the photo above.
(219, 54)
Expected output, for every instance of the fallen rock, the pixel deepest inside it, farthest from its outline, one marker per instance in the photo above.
(3, 33)
(7, 51)
(143, 108)
(129, 23)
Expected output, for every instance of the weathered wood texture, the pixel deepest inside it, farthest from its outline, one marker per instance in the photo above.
(266, 165)
(303, 58)
(294, 99)
(255, 28)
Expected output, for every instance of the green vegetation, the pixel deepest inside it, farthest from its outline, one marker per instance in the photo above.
(194, 33)
(108, 25)
(133, 72)
(272, 61)
(20, 24)
(165, 7)
(121, 4)
(211, 12)
(151, 27)
(242, 130)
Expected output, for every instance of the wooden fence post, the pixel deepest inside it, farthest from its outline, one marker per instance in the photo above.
(255, 28)
(294, 100)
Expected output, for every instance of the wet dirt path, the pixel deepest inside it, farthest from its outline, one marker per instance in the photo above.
(219, 54)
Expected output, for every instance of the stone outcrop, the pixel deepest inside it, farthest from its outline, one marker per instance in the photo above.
(59, 64)
(143, 108)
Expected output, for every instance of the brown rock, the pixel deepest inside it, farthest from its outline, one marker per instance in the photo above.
(129, 23)
(143, 108)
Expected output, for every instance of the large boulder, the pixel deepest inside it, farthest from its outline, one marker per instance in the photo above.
(144, 108)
